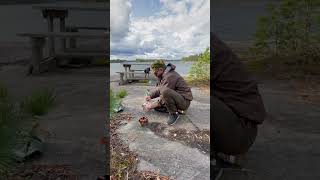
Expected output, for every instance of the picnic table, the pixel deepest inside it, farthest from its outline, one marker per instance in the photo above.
(134, 71)
(60, 11)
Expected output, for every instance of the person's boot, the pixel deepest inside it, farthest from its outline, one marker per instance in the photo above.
(182, 112)
(161, 109)
(173, 117)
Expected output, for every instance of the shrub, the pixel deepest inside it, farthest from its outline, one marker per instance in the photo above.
(200, 69)
(39, 102)
(122, 93)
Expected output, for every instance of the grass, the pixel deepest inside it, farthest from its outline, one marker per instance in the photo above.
(7, 120)
(3, 92)
(16, 124)
(39, 102)
(144, 81)
(11, 128)
(122, 93)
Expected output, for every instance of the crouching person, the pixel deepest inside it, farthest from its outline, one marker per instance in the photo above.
(238, 108)
(175, 95)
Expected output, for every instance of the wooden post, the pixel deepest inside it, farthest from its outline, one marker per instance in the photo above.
(73, 42)
(63, 29)
(131, 73)
(37, 53)
(121, 79)
(50, 39)
(126, 71)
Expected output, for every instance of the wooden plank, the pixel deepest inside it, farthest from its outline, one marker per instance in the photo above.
(138, 78)
(134, 63)
(131, 72)
(80, 54)
(86, 27)
(76, 6)
(66, 34)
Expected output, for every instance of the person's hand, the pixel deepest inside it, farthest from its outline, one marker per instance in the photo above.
(147, 98)
(148, 106)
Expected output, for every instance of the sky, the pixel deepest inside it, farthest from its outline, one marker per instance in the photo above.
(169, 29)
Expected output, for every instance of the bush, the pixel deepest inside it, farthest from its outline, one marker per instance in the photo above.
(200, 69)
(122, 93)
(39, 102)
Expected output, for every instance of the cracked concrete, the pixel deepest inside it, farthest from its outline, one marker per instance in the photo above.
(159, 154)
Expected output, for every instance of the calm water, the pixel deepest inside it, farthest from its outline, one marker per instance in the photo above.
(235, 20)
(182, 67)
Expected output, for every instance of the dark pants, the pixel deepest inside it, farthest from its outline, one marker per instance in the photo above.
(231, 134)
(172, 101)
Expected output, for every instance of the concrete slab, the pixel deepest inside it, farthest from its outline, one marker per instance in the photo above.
(196, 117)
(169, 157)
(159, 154)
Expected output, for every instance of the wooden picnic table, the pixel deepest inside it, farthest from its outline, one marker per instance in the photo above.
(60, 11)
(127, 67)
(51, 11)
(129, 73)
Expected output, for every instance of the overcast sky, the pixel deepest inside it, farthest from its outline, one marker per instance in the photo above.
(168, 29)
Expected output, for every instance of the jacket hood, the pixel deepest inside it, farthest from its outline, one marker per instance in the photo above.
(170, 67)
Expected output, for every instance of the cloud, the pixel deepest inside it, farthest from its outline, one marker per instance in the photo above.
(119, 18)
(180, 29)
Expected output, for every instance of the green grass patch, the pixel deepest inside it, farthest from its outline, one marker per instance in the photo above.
(12, 125)
(122, 93)
(16, 124)
(39, 102)
(144, 81)
(8, 122)
(114, 100)
(3, 92)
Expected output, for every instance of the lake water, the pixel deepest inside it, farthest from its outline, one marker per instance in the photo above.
(181, 67)
(234, 20)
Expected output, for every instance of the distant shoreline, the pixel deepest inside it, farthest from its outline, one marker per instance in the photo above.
(139, 61)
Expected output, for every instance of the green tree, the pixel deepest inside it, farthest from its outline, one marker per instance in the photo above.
(289, 28)
(200, 69)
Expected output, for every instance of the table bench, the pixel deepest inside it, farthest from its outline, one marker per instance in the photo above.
(77, 28)
(38, 41)
(130, 77)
